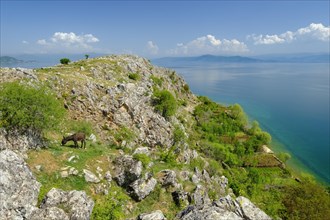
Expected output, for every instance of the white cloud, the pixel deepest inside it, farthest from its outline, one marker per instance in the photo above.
(72, 38)
(25, 42)
(42, 42)
(68, 42)
(209, 45)
(313, 31)
(152, 48)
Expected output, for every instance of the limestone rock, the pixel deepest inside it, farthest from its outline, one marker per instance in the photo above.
(155, 215)
(18, 142)
(127, 170)
(181, 198)
(223, 209)
(90, 177)
(142, 150)
(250, 211)
(168, 178)
(79, 205)
(49, 213)
(141, 188)
(200, 196)
(19, 189)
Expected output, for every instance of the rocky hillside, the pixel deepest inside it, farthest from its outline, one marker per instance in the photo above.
(154, 149)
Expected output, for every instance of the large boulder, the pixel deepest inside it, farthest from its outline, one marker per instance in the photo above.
(223, 209)
(155, 215)
(141, 188)
(19, 189)
(77, 204)
(20, 142)
(127, 170)
(168, 178)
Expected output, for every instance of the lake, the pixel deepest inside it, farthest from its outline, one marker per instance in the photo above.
(289, 100)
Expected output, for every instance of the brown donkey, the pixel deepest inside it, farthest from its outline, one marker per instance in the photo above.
(80, 136)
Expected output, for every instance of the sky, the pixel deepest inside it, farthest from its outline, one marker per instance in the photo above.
(164, 28)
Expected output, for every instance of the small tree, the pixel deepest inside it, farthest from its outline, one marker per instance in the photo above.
(86, 56)
(164, 103)
(24, 107)
(65, 61)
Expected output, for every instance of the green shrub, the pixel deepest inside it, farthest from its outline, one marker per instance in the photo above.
(178, 135)
(186, 88)
(65, 61)
(134, 76)
(110, 207)
(145, 160)
(164, 103)
(124, 134)
(156, 80)
(24, 107)
(306, 200)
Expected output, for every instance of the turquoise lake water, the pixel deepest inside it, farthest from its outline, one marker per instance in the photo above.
(289, 100)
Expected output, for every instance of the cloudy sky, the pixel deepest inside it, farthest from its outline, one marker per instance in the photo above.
(164, 28)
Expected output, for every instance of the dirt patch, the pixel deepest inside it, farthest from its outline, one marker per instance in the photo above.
(45, 159)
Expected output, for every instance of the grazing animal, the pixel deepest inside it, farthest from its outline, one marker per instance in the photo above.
(80, 136)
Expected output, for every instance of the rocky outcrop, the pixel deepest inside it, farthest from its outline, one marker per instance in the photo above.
(142, 187)
(223, 209)
(156, 215)
(20, 142)
(77, 203)
(128, 175)
(19, 191)
(127, 170)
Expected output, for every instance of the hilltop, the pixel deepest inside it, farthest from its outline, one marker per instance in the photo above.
(154, 151)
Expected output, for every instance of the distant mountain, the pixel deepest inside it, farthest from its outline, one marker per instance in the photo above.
(211, 58)
(7, 60)
(296, 58)
(276, 58)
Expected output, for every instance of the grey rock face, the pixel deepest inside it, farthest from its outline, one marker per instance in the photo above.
(250, 211)
(127, 170)
(128, 175)
(19, 189)
(155, 215)
(142, 150)
(141, 188)
(181, 198)
(80, 206)
(224, 209)
(90, 177)
(200, 196)
(52, 213)
(168, 178)
(18, 142)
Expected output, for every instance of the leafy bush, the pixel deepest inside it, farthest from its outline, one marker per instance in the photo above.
(124, 134)
(24, 107)
(134, 76)
(186, 88)
(145, 160)
(65, 61)
(156, 80)
(306, 200)
(178, 135)
(111, 206)
(164, 103)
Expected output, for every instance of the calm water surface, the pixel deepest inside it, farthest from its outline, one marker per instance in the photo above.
(289, 100)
